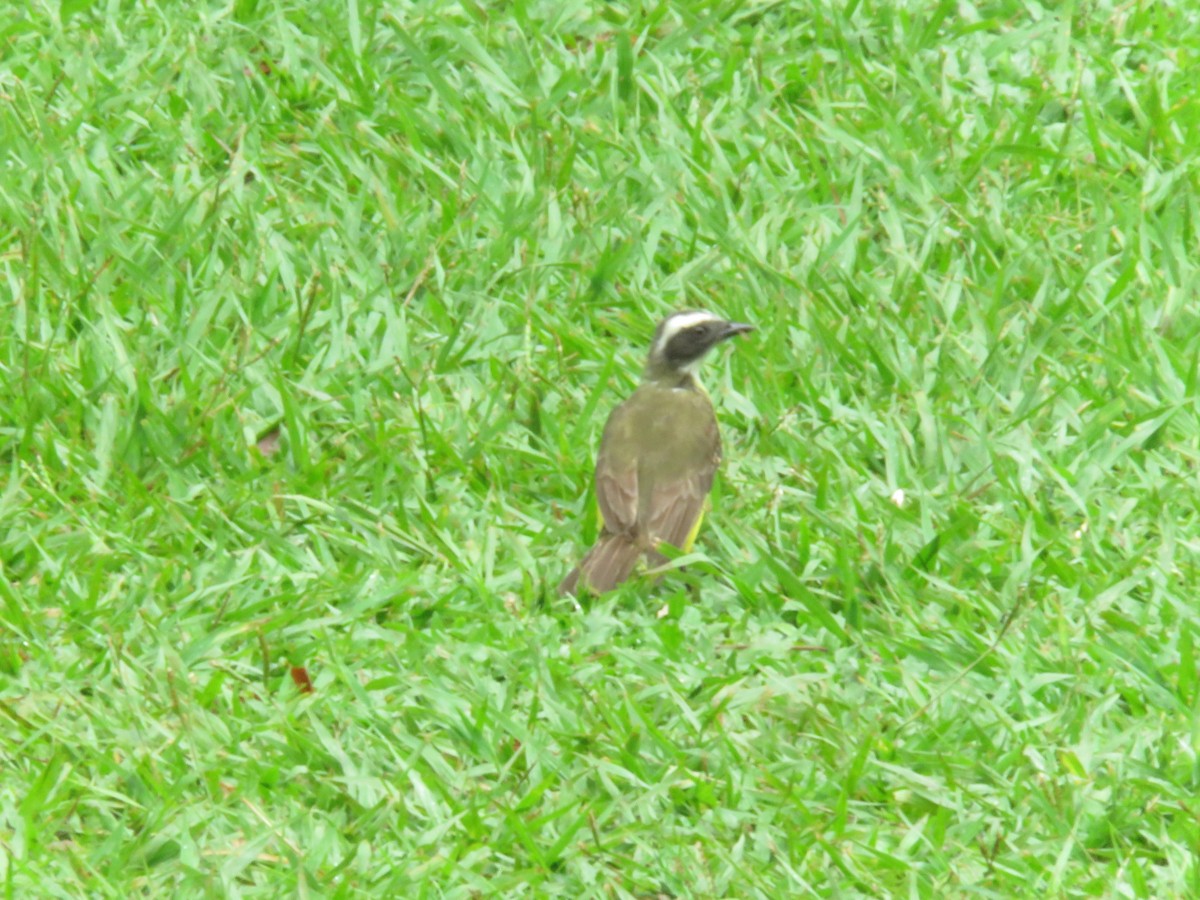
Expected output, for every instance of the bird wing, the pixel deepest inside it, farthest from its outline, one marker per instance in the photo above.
(676, 506)
(617, 473)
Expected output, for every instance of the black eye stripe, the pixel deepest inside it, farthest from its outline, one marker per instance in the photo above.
(688, 344)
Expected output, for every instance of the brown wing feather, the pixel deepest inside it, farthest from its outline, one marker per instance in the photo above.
(675, 507)
(617, 496)
(617, 473)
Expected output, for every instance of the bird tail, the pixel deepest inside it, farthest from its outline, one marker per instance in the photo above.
(607, 564)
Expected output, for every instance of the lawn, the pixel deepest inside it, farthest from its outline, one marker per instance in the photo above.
(310, 317)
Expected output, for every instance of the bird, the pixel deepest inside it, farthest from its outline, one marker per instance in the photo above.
(658, 453)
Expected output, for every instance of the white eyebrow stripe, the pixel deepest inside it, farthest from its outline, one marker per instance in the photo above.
(678, 323)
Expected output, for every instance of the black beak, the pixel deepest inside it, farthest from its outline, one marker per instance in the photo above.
(734, 328)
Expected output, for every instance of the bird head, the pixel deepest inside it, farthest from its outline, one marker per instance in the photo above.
(681, 342)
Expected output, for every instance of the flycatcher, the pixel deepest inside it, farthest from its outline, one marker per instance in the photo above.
(658, 454)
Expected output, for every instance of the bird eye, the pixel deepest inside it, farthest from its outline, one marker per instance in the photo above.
(700, 329)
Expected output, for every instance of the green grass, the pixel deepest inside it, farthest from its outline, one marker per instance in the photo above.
(310, 315)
